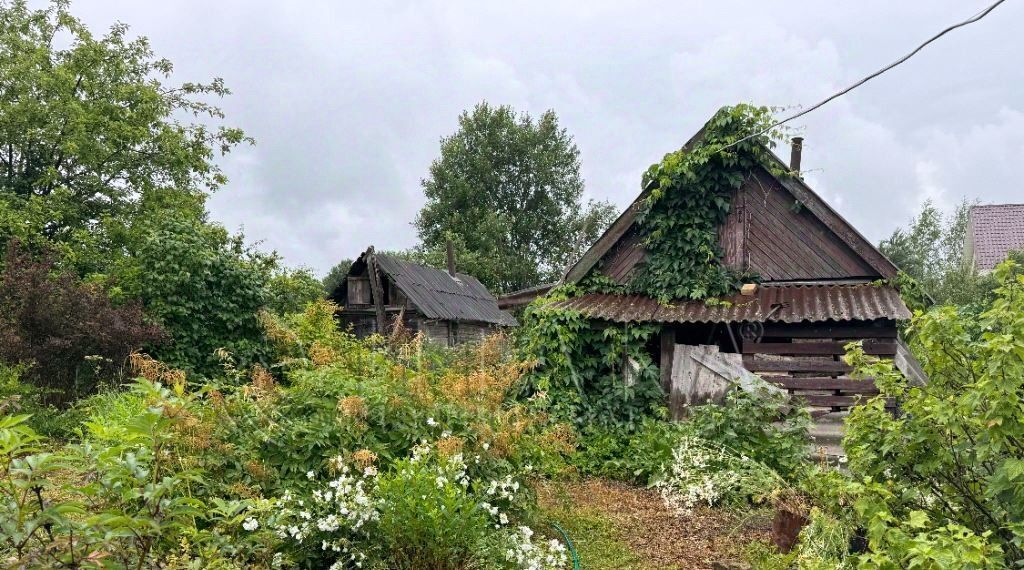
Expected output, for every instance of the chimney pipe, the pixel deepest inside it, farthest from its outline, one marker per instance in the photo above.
(451, 258)
(795, 152)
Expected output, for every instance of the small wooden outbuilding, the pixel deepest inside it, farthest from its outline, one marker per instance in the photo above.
(822, 284)
(447, 307)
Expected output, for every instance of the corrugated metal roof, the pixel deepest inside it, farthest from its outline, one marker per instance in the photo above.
(770, 303)
(998, 229)
(438, 295)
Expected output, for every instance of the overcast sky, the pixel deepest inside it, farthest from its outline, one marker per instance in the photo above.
(348, 100)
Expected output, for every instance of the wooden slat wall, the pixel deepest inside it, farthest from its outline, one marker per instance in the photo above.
(623, 258)
(786, 242)
(806, 360)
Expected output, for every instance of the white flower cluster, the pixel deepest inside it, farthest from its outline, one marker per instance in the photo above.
(530, 555)
(503, 492)
(342, 509)
(699, 474)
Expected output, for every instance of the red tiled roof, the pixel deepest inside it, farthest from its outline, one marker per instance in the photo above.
(996, 231)
(770, 303)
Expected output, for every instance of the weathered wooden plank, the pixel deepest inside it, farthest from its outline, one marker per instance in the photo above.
(812, 233)
(881, 348)
(824, 383)
(883, 328)
(377, 293)
(839, 401)
(758, 364)
(668, 347)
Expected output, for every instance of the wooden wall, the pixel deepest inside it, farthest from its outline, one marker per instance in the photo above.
(806, 359)
(767, 232)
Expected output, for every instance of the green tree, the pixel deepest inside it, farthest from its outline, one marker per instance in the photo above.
(336, 275)
(944, 478)
(931, 250)
(90, 132)
(290, 290)
(508, 187)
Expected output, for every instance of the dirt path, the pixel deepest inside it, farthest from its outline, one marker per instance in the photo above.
(621, 526)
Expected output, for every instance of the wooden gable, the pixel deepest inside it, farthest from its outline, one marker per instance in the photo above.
(777, 228)
(768, 232)
(771, 233)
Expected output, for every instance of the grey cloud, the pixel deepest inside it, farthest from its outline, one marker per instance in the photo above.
(347, 100)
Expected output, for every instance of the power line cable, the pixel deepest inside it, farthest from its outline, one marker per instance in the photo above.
(834, 96)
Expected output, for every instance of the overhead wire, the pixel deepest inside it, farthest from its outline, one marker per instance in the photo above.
(830, 98)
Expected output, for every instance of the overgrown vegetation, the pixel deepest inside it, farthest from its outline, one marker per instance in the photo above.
(688, 200)
(246, 472)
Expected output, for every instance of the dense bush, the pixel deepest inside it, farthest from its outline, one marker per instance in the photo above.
(234, 473)
(944, 480)
(734, 453)
(204, 287)
(67, 334)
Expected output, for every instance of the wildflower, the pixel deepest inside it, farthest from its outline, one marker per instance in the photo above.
(431, 422)
(310, 475)
(251, 524)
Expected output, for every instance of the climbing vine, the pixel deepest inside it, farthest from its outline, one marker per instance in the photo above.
(689, 199)
(589, 374)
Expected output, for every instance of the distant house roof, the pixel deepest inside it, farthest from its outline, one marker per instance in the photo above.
(438, 295)
(770, 303)
(994, 232)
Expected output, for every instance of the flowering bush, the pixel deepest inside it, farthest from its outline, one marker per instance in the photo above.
(703, 473)
(350, 453)
(426, 512)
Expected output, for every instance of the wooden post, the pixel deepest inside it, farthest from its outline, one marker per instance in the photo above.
(451, 258)
(377, 291)
(668, 348)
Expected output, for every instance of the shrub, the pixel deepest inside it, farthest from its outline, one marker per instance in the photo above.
(944, 479)
(204, 287)
(68, 334)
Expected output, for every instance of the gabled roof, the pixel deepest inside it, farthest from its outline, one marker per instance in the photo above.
(810, 200)
(995, 231)
(436, 294)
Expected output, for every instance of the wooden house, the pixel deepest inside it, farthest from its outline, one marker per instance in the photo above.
(447, 307)
(822, 284)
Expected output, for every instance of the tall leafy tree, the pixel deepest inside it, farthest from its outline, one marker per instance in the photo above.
(931, 250)
(92, 129)
(508, 188)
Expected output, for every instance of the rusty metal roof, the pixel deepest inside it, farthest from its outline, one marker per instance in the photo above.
(786, 303)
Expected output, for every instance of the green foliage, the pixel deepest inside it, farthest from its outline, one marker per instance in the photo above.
(689, 198)
(944, 479)
(746, 425)
(429, 522)
(336, 276)
(77, 167)
(220, 475)
(204, 287)
(753, 426)
(289, 291)
(508, 187)
(588, 374)
(931, 252)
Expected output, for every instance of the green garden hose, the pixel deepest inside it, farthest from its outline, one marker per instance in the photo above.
(568, 542)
